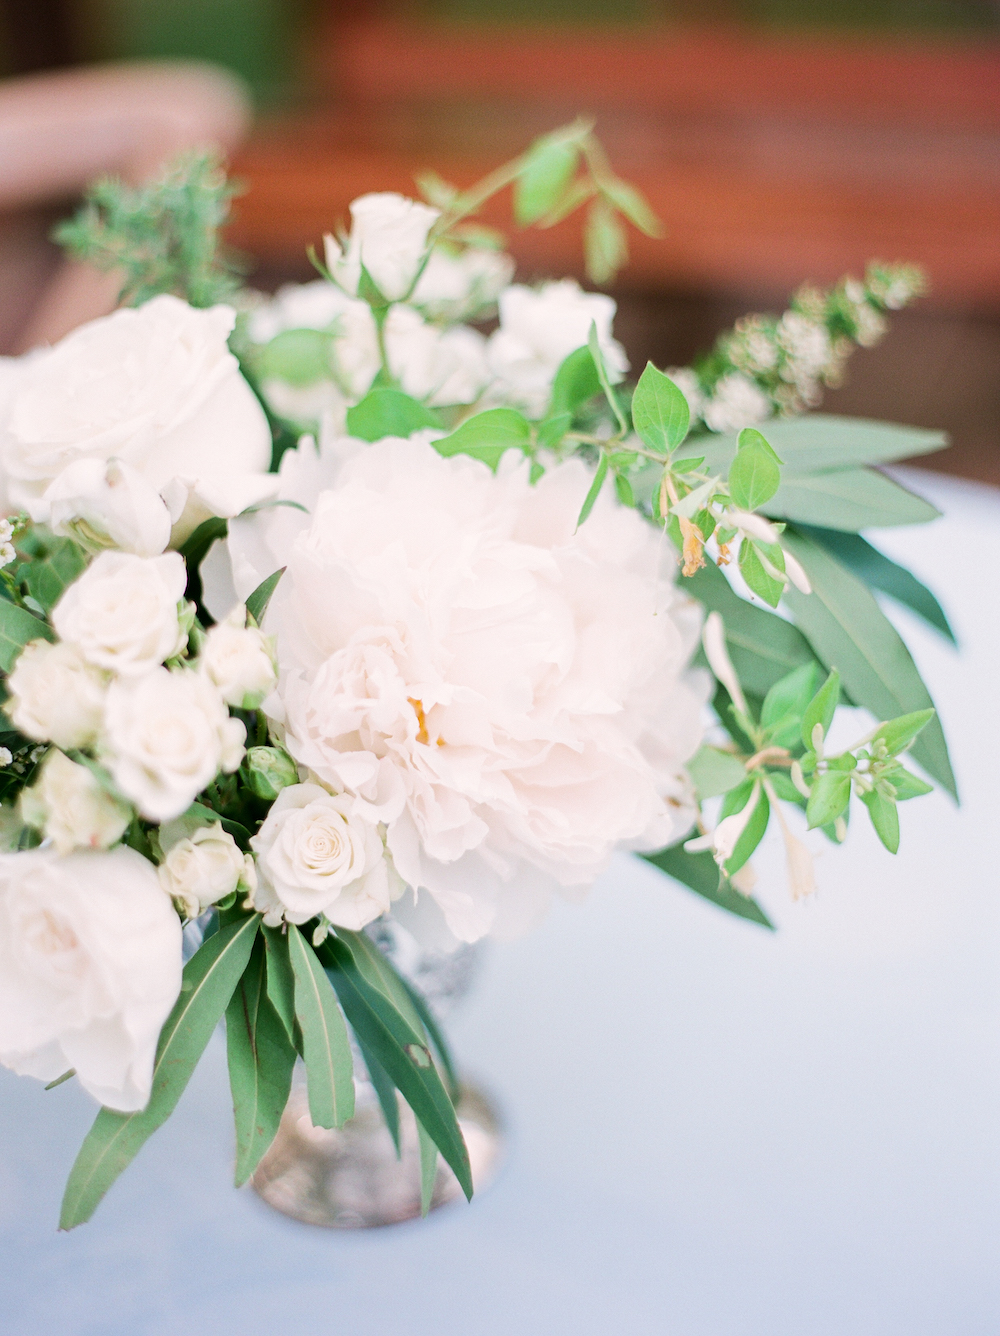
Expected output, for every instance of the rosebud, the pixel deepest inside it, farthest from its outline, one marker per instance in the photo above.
(269, 770)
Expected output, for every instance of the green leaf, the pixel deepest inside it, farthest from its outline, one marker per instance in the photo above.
(897, 734)
(386, 1093)
(789, 697)
(821, 442)
(548, 168)
(387, 412)
(326, 1049)
(428, 1167)
(753, 832)
(261, 596)
(17, 629)
(402, 1052)
(575, 382)
(660, 412)
(594, 345)
(699, 873)
(908, 786)
(195, 549)
(633, 204)
(48, 577)
(878, 572)
(605, 245)
(713, 772)
(595, 488)
(821, 709)
(554, 428)
(488, 436)
(755, 473)
(884, 817)
(281, 982)
(210, 978)
(763, 648)
(849, 499)
(757, 578)
(846, 627)
(299, 357)
(261, 1057)
(830, 795)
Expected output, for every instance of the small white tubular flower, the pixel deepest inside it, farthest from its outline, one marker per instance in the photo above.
(317, 855)
(795, 573)
(203, 868)
(713, 637)
(90, 967)
(239, 661)
(724, 838)
(56, 695)
(72, 808)
(736, 403)
(154, 386)
(538, 329)
(166, 736)
(454, 287)
(389, 237)
(109, 504)
(440, 366)
(754, 525)
(801, 872)
(122, 611)
(506, 692)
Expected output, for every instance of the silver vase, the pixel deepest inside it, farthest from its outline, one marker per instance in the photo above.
(351, 1178)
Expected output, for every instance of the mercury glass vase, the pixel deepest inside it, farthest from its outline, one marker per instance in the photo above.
(351, 1178)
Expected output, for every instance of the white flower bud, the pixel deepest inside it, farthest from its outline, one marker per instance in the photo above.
(55, 695)
(204, 868)
(389, 237)
(109, 505)
(122, 611)
(239, 660)
(73, 809)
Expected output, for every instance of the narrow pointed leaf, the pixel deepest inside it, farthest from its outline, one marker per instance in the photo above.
(210, 977)
(261, 1057)
(593, 343)
(428, 1167)
(595, 489)
(884, 817)
(575, 383)
(326, 1049)
(821, 708)
(897, 734)
(280, 979)
(261, 596)
(699, 873)
(822, 442)
(386, 1092)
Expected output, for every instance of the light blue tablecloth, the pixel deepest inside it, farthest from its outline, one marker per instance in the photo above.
(713, 1131)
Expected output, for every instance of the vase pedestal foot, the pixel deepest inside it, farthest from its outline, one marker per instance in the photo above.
(351, 1179)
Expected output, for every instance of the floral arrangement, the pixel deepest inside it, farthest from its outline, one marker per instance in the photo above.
(320, 606)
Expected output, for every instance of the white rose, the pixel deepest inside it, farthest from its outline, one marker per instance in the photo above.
(167, 735)
(539, 328)
(441, 366)
(55, 695)
(316, 855)
(203, 868)
(507, 693)
(239, 660)
(90, 967)
(109, 504)
(156, 387)
(122, 611)
(389, 237)
(455, 287)
(73, 809)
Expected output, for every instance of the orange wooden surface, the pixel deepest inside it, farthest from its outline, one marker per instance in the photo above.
(768, 160)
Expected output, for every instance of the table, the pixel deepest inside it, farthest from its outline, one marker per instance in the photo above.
(713, 1130)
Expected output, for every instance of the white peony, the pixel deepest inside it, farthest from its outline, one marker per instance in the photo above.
(439, 366)
(166, 736)
(203, 868)
(389, 237)
(72, 808)
(239, 660)
(155, 387)
(90, 967)
(56, 695)
(122, 612)
(507, 694)
(316, 854)
(539, 328)
(457, 286)
(736, 403)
